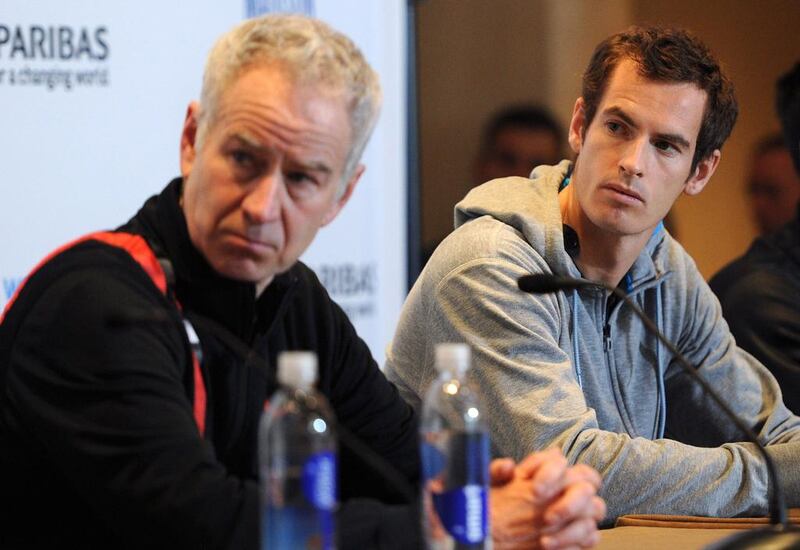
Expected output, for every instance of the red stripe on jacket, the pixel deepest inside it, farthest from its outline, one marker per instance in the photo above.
(138, 249)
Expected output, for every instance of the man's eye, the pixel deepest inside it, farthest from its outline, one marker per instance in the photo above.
(665, 146)
(242, 158)
(244, 164)
(614, 127)
(299, 177)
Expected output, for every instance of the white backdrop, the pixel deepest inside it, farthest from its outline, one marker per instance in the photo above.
(92, 97)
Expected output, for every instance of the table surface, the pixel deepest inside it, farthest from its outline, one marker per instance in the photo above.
(659, 538)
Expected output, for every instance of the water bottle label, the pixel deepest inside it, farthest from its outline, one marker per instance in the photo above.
(467, 454)
(463, 512)
(297, 527)
(433, 460)
(319, 481)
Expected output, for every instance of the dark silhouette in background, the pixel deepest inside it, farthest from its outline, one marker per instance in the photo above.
(774, 184)
(760, 291)
(516, 140)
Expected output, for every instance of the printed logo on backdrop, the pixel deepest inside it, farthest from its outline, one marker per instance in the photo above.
(254, 8)
(54, 57)
(353, 286)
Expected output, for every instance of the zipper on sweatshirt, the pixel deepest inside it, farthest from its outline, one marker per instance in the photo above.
(607, 336)
(611, 301)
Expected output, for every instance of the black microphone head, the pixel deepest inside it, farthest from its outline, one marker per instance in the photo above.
(545, 283)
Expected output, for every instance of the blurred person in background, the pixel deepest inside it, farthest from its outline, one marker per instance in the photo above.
(517, 139)
(760, 291)
(774, 184)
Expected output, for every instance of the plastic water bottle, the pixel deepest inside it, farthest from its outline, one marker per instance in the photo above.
(297, 455)
(454, 445)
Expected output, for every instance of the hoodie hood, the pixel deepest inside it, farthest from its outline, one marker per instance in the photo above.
(530, 206)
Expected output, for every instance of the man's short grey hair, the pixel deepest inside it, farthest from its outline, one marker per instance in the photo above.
(312, 53)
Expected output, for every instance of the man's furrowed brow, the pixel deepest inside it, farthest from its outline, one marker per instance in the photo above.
(675, 139)
(257, 146)
(620, 113)
(318, 166)
(248, 141)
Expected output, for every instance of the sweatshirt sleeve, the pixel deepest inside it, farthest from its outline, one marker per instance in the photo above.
(534, 400)
(106, 408)
(750, 390)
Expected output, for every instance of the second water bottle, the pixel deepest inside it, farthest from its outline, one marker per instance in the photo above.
(454, 444)
(297, 454)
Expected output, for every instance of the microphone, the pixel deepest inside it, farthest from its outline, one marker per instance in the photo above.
(542, 283)
(782, 533)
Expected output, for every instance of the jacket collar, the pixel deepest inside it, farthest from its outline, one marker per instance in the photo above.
(198, 287)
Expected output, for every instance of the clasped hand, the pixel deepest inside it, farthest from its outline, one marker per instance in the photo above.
(543, 503)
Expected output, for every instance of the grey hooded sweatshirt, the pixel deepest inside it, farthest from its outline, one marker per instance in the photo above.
(578, 371)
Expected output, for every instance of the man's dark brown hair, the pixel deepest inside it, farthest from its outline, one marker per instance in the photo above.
(667, 55)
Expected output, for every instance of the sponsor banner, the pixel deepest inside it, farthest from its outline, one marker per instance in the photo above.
(93, 96)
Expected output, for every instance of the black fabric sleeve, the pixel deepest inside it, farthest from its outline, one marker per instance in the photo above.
(365, 403)
(370, 407)
(761, 308)
(106, 408)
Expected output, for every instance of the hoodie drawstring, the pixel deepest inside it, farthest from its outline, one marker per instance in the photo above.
(576, 357)
(662, 395)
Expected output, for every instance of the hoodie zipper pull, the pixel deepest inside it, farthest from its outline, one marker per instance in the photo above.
(610, 301)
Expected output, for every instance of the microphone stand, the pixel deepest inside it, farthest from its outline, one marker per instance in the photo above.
(780, 533)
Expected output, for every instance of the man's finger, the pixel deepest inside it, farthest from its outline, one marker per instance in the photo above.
(577, 501)
(501, 471)
(599, 509)
(528, 466)
(548, 479)
(582, 472)
(582, 533)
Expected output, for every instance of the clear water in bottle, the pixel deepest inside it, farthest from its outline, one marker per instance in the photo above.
(454, 446)
(297, 455)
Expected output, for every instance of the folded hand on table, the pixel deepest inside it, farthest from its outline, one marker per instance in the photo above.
(543, 503)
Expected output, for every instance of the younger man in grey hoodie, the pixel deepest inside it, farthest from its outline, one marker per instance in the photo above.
(577, 370)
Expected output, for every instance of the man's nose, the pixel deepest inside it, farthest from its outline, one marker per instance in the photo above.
(261, 204)
(633, 158)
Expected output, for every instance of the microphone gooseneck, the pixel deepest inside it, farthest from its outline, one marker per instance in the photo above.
(542, 283)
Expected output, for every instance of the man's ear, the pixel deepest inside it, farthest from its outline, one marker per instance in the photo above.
(339, 203)
(576, 126)
(702, 173)
(189, 139)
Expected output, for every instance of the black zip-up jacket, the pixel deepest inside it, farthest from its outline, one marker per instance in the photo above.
(760, 297)
(98, 444)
